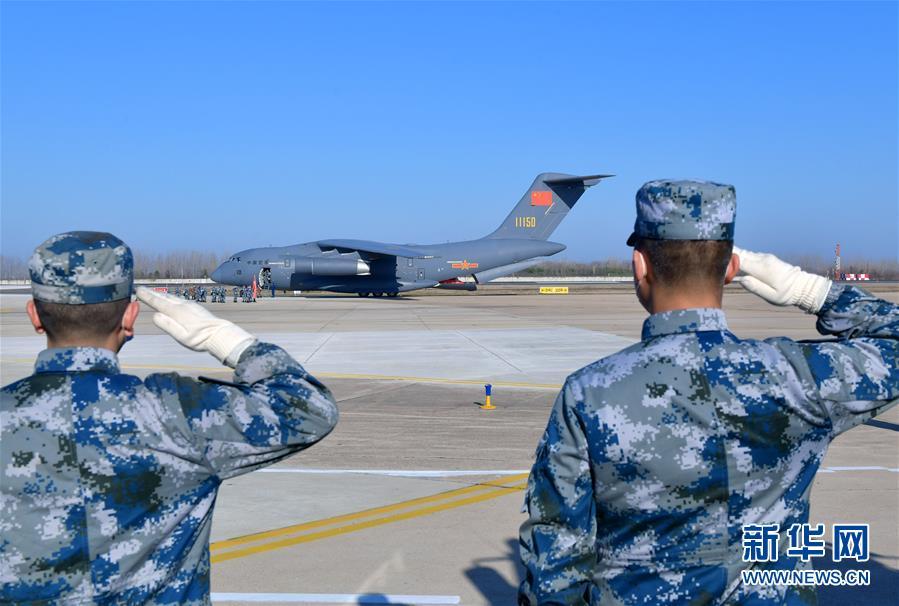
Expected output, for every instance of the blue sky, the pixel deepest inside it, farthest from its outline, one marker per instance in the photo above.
(220, 126)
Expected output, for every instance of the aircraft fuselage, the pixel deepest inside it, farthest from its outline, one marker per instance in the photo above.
(297, 267)
(368, 267)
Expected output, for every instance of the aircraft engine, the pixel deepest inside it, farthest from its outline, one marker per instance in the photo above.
(330, 266)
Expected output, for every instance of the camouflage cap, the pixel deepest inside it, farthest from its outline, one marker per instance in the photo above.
(81, 267)
(685, 210)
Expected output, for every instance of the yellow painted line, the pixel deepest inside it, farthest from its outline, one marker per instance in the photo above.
(329, 375)
(259, 536)
(357, 526)
(366, 513)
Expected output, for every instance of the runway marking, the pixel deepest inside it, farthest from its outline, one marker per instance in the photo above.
(361, 514)
(361, 520)
(335, 598)
(336, 375)
(329, 375)
(398, 473)
(864, 468)
(450, 473)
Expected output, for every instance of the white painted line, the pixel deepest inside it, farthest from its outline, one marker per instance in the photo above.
(868, 468)
(399, 473)
(335, 598)
(429, 473)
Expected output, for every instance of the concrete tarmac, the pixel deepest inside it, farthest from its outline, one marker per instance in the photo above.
(416, 496)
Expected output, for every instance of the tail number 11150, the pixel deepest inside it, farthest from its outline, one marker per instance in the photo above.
(528, 222)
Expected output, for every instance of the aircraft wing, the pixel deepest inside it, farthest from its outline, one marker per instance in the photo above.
(371, 247)
(587, 181)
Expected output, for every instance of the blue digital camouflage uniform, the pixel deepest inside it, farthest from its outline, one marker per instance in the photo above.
(109, 481)
(655, 457)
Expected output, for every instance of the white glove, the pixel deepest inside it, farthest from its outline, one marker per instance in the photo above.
(781, 283)
(195, 327)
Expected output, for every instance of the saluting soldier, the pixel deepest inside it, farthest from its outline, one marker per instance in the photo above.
(655, 458)
(107, 481)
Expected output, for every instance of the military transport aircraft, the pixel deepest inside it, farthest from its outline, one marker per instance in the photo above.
(376, 268)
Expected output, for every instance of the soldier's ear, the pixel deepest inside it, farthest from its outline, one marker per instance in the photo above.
(639, 266)
(732, 268)
(130, 317)
(31, 310)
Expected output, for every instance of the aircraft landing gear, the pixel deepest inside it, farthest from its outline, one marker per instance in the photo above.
(377, 294)
(363, 294)
(393, 295)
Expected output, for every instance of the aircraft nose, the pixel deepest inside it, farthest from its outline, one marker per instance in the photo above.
(219, 274)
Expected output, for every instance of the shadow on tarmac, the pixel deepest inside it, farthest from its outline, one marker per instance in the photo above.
(496, 589)
(883, 590)
(346, 296)
(883, 424)
(374, 598)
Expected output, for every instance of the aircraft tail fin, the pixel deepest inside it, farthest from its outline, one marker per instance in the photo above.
(544, 205)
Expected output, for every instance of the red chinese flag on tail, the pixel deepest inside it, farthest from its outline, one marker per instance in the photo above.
(541, 198)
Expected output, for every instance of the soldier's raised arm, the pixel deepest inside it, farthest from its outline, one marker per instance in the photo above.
(848, 380)
(271, 409)
(558, 539)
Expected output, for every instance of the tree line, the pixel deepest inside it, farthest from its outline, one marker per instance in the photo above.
(200, 264)
(878, 270)
(176, 264)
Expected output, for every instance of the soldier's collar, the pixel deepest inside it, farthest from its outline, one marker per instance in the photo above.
(77, 359)
(684, 320)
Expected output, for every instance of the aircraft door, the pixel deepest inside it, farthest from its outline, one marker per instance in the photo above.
(410, 269)
(264, 280)
(405, 269)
